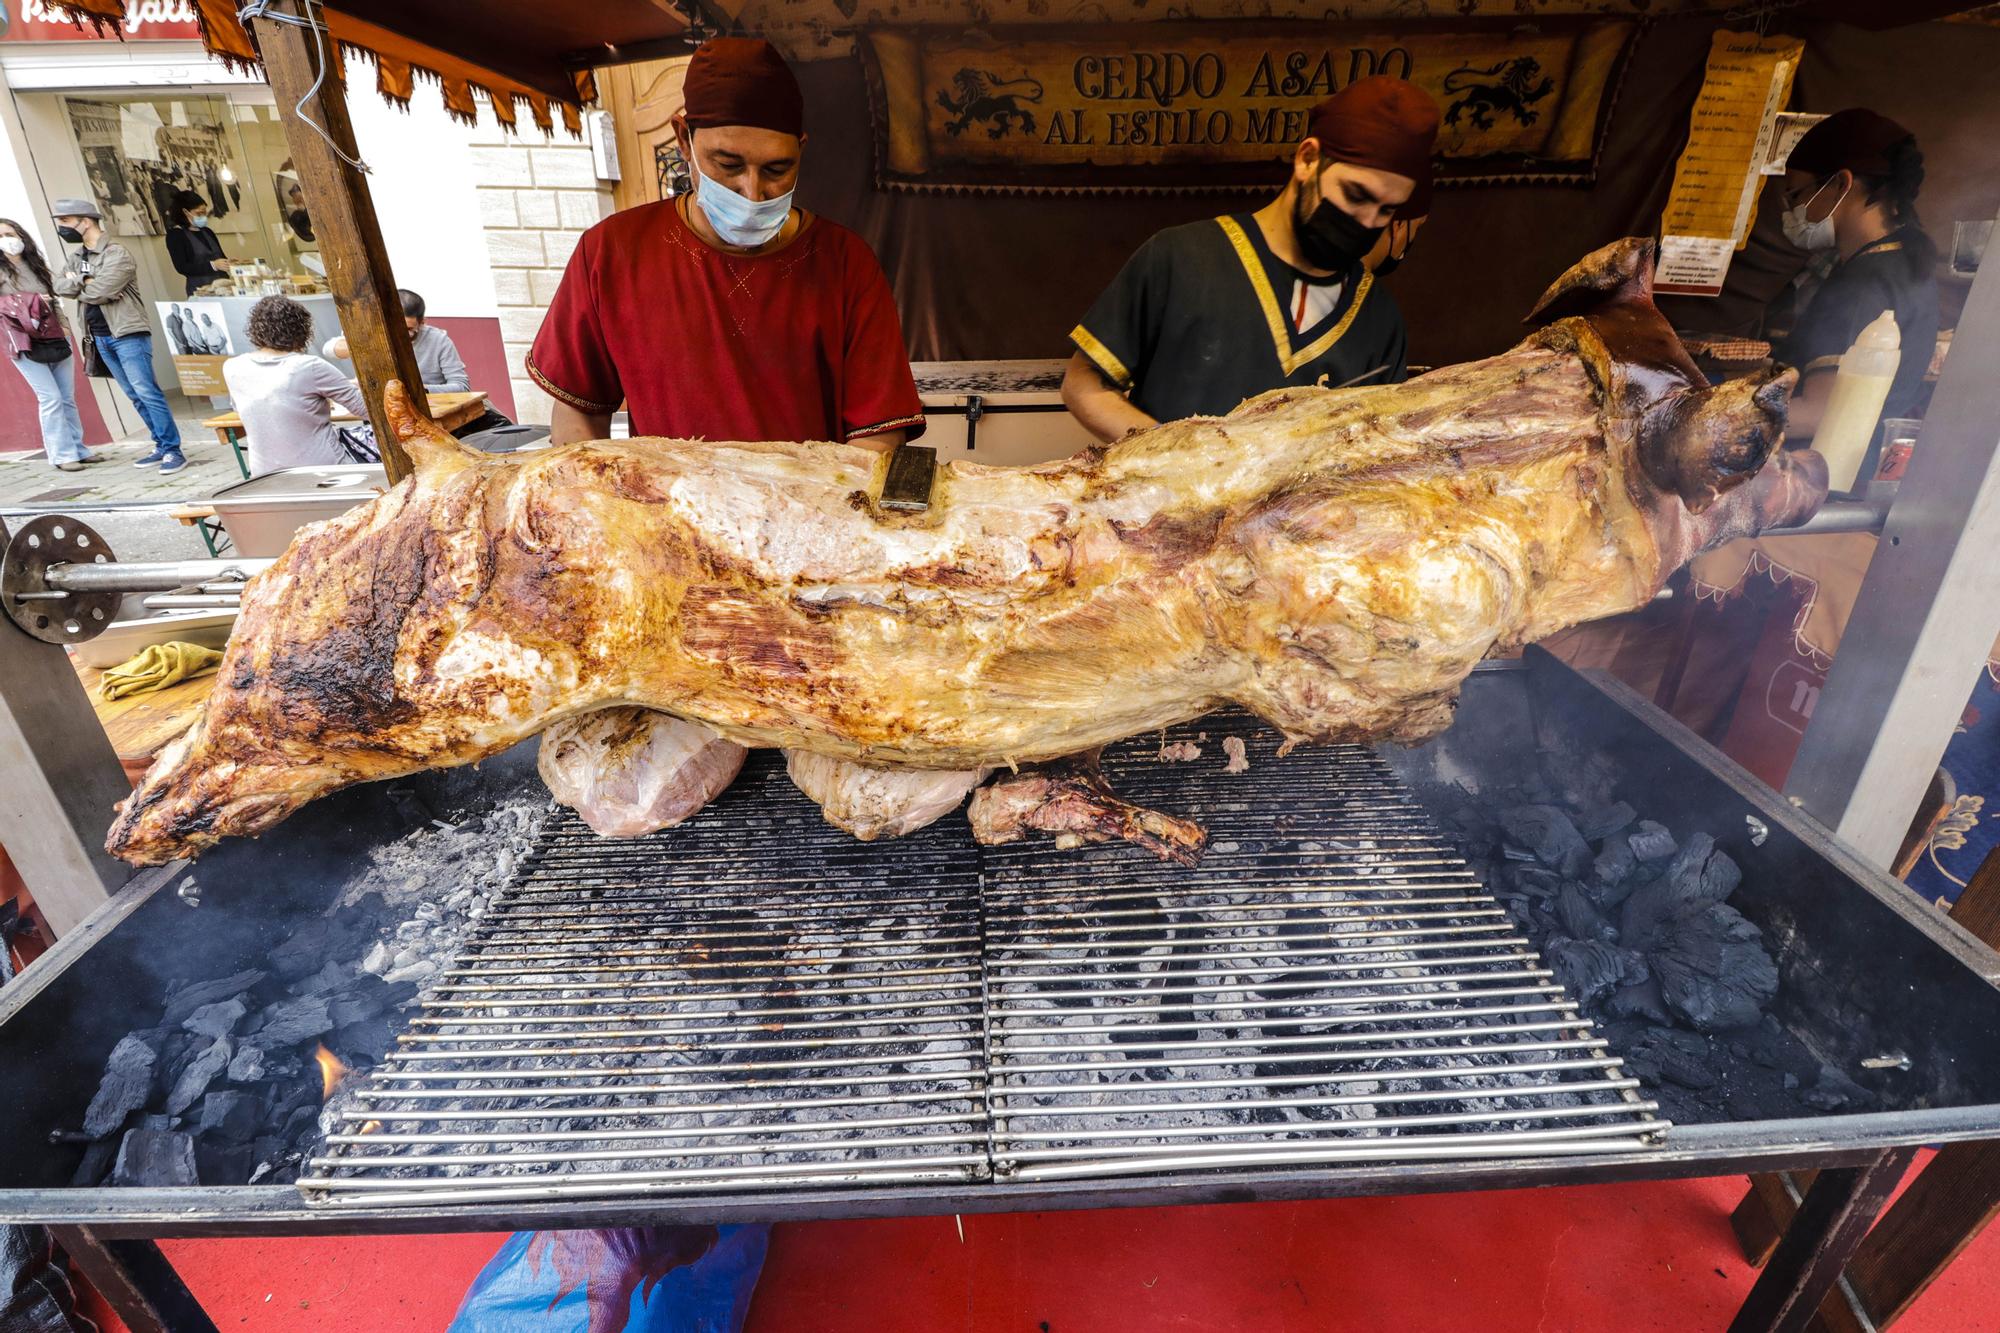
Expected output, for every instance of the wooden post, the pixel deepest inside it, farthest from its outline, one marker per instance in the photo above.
(357, 265)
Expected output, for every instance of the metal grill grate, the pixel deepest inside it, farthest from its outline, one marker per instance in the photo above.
(756, 1000)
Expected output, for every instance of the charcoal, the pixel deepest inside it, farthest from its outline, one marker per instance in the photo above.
(159, 1157)
(155, 1121)
(307, 950)
(248, 1064)
(96, 1164)
(329, 980)
(201, 1071)
(363, 997)
(183, 1002)
(1683, 1057)
(1590, 969)
(1698, 877)
(1713, 970)
(1533, 881)
(363, 1043)
(290, 1022)
(1609, 820)
(302, 1121)
(1580, 917)
(1835, 1091)
(221, 1163)
(218, 1019)
(127, 1082)
(1611, 870)
(364, 913)
(1652, 842)
(1640, 999)
(1547, 833)
(230, 1116)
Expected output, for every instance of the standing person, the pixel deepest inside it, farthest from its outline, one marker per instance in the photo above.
(286, 395)
(1851, 198)
(195, 250)
(49, 370)
(1208, 314)
(731, 315)
(178, 338)
(104, 280)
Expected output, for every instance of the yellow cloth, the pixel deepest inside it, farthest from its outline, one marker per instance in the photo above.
(159, 666)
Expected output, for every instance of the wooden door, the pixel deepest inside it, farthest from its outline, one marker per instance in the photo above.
(643, 99)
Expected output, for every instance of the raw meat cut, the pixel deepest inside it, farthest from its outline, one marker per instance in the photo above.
(873, 802)
(1336, 561)
(629, 771)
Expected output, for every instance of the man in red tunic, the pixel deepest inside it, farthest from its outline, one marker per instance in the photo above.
(729, 314)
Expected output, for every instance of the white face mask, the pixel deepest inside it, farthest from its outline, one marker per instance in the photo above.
(12, 245)
(1813, 235)
(741, 222)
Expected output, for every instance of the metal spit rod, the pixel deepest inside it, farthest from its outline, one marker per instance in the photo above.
(157, 576)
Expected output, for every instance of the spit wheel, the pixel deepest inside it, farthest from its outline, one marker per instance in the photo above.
(50, 614)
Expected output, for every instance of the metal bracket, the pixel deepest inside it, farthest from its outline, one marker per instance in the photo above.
(36, 607)
(908, 480)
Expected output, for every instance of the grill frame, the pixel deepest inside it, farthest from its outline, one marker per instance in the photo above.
(1867, 921)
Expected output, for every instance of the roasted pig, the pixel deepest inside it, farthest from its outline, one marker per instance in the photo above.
(1334, 561)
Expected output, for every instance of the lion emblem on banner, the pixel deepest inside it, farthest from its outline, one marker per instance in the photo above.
(978, 97)
(1505, 89)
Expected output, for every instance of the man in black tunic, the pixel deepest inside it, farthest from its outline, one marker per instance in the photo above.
(1210, 313)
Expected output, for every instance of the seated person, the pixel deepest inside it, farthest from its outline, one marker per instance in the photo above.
(437, 356)
(286, 395)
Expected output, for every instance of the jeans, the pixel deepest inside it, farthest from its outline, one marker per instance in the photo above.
(55, 390)
(131, 361)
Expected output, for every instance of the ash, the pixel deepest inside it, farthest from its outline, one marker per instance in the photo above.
(226, 1089)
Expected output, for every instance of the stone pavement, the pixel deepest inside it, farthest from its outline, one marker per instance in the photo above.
(26, 479)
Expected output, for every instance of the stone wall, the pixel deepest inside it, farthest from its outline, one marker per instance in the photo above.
(536, 197)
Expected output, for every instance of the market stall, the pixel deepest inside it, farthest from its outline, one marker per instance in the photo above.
(959, 1130)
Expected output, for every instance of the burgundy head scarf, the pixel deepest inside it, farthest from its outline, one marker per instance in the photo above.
(1383, 123)
(742, 81)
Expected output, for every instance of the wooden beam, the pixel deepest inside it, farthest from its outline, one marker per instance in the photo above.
(357, 264)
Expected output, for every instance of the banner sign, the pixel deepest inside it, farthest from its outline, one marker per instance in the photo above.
(145, 21)
(1194, 106)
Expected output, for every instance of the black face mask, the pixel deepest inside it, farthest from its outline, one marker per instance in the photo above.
(1331, 239)
(70, 234)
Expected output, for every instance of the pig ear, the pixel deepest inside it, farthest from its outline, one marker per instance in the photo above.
(1622, 270)
(427, 443)
(1706, 441)
(1775, 395)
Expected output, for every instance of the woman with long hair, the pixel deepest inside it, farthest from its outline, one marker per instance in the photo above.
(45, 364)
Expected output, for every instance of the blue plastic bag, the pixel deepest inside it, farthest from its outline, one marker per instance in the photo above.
(623, 1280)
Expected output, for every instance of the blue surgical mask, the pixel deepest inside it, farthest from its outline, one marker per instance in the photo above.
(198, 222)
(739, 221)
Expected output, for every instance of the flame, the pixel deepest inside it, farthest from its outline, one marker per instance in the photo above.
(331, 1071)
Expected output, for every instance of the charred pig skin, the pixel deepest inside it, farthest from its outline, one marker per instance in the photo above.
(1336, 561)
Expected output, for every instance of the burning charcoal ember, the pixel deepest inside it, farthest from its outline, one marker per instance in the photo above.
(1607, 821)
(1652, 842)
(1580, 917)
(1547, 834)
(194, 1080)
(218, 1019)
(1590, 970)
(156, 1157)
(230, 1116)
(127, 1082)
(1713, 970)
(183, 1002)
(289, 1022)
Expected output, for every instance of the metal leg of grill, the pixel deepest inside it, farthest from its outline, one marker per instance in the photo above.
(1832, 1221)
(136, 1281)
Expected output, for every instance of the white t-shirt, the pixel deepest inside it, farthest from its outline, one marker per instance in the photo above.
(286, 400)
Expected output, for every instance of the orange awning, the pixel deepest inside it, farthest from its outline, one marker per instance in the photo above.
(519, 52)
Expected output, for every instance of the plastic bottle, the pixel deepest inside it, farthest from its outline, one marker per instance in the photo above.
(1861, 387)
